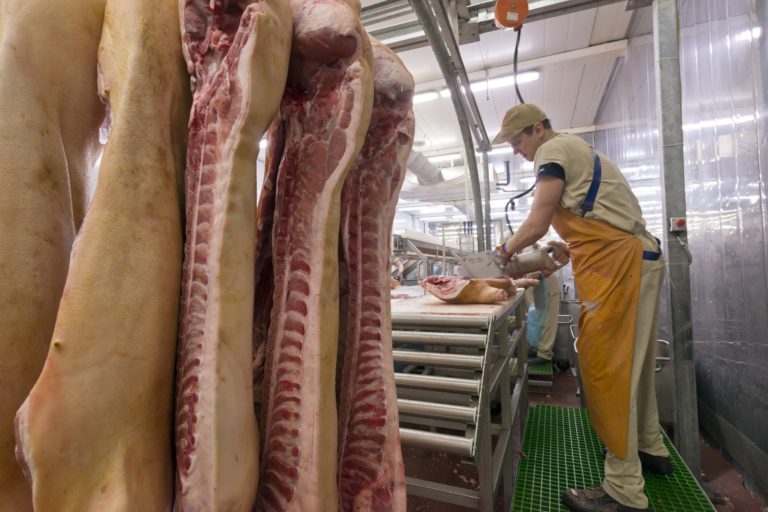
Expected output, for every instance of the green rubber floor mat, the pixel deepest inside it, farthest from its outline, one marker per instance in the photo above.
(561, 450)
(540, 369)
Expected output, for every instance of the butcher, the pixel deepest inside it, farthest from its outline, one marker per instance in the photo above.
(618, 269)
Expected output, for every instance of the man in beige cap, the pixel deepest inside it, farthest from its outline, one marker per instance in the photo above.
(618, 270)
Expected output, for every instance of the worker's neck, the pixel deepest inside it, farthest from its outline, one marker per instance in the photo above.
(548, 134)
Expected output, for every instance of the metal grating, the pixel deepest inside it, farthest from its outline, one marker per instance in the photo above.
(540, 369)
(561, 450)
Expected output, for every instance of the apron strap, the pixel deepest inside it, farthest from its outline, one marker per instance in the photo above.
(652, 255)
(589, 200)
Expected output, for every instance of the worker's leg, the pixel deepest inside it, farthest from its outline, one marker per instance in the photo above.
(623, 477)
(549, 329)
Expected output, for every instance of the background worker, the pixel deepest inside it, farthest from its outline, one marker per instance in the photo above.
(618, 270)
(545, 310)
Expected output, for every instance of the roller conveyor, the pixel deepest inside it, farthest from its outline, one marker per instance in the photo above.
(465, 355)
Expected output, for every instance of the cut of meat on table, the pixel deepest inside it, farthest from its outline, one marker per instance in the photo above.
(371, 475)
(237, 54)
(457, 290)
(49, 128)
(94, 432)
(325, 113)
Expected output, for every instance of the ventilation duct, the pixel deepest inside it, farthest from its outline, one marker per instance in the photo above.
(423, 169)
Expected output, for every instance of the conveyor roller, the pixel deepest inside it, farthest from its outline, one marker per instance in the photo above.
(440, 338)
(412, 380)
(439, 442)
(442, 411)
(437, 359)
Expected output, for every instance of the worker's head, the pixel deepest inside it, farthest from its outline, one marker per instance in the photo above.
(525, 127)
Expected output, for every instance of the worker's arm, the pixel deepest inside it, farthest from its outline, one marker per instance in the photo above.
(545, 201)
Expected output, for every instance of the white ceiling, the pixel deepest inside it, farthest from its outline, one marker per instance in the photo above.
(575, 55)
(569, 91)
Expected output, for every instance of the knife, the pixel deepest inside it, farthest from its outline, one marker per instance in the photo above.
(481, 265)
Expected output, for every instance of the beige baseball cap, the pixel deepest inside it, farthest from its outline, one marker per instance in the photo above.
(516, 119)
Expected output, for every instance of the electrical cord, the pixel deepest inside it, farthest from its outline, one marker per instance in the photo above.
(510, 206)
(514, 63)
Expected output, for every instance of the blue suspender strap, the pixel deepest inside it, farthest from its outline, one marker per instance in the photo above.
(652, 255)
(589, 200)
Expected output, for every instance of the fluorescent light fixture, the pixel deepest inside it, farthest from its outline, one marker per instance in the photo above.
(497, 83)
(424, 97)
(482, 85)
(505, 81)
(444, 158)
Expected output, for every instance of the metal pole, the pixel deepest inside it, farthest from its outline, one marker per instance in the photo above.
(487, 198)
(666, 39)
(448, 66)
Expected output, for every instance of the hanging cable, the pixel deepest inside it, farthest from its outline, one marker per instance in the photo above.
(510, 206)
(519, 31)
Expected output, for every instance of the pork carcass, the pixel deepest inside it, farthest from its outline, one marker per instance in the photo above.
(49, 126)
(325, 114)
(94, 432)
(370, 473)
(458, 290)
(237, 53)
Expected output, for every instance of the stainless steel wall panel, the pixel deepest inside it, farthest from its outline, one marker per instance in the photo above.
(724, 61)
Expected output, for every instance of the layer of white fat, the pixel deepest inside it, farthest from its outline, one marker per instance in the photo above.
(392, 77)
(334, 15)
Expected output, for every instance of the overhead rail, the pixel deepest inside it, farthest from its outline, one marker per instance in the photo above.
(434, 20)
(408, 34)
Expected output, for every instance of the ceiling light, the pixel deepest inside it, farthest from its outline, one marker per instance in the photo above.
(498, 82)
(263, 143)
(424, 97)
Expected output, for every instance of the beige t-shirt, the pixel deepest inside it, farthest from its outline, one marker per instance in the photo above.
(615, 204)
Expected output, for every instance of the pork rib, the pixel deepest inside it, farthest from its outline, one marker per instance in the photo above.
(51, 113)
(371, 474)
(94, 430)
(325, 111)
(237, 53)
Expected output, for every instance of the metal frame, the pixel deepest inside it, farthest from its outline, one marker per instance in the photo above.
(666, 42)
(436, 24)
(469, 358)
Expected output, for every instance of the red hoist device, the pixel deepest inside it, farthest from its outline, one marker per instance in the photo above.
(511, 13)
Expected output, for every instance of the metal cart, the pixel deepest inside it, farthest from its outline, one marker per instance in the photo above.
(451, 362)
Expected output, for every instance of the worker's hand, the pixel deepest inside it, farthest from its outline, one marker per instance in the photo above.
(525, 282)
(562, 253)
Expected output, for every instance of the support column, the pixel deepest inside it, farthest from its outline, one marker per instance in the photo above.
(666, 39)
(487, 203)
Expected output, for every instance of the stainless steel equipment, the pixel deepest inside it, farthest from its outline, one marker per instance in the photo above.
(465, 353)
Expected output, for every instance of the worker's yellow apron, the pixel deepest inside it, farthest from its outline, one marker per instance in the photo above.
(607, 263)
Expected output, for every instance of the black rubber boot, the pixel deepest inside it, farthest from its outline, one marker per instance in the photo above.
(655, 464)
(594, 499)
